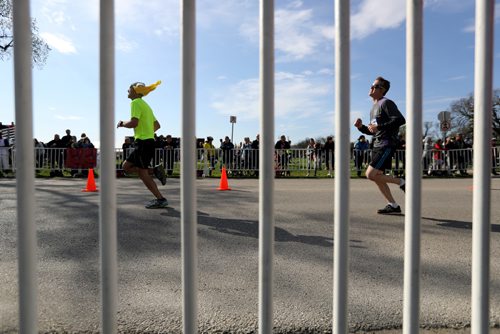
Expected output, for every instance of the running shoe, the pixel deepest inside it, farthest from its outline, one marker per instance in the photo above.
(157, 204)
(389, 209)
(402, 186)
(159, 172)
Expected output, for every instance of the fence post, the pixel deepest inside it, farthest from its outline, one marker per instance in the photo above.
(25, 172)
(481, 203)
(188, 167)
(414, 21)
(342, 170)
(266, 173)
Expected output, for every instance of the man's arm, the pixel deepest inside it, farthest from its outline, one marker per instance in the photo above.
(362, 128)
(130, 124)
(396, 119)
(157, 125)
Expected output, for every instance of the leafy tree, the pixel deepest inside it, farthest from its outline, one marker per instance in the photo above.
(304, 142)
(427, 128)
(40, 48)
(463, 114)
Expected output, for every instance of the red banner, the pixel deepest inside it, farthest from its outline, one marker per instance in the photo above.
(80, 158)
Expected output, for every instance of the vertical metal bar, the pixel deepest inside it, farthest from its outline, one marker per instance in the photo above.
(342, 177)
(266, 173)
(481, 203)
(25, 173)
(107, 208)
(414, 23)
(188, 172)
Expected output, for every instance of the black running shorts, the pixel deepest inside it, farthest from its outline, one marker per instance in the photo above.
(382, 157)
(144, 151)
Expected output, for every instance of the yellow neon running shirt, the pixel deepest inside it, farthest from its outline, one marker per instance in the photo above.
(143, 112)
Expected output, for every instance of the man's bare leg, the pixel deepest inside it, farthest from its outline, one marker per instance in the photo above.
(145, 175)
(381, 180)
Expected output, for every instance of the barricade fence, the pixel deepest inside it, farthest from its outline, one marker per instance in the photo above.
(245, 162)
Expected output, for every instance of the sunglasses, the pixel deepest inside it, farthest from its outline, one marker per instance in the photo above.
(376, 87)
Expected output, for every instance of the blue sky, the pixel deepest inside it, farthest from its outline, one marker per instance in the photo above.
(66, 89)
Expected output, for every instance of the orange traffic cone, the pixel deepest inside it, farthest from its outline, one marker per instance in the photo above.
(223, 180)
(90, 182)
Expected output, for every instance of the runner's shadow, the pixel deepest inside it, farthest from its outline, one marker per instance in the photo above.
(460, 224)
(250, 228)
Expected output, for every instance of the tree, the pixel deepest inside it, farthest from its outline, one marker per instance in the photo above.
(463, 114)
(40, 48)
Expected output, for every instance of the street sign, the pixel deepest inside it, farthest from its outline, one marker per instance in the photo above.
(232, 119)
(444, 116)
(445, 126)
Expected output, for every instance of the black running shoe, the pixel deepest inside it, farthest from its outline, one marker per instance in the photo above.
(159, 172)
(157, 204)
(389, 209)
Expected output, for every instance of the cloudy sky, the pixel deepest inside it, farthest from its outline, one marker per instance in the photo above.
(66, 89)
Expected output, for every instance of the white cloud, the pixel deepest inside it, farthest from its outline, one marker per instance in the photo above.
(459, 77)
(297, 34)
(296, 95)
(148, 17)
(125, 44)
(371, 17)
(470, 28)
(216, 13)
(326, 71)
(59, 42)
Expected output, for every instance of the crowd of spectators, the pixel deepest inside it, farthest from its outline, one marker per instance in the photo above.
(55, 158)
(439, 157)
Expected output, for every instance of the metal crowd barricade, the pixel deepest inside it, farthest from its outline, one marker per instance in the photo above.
(246, 162)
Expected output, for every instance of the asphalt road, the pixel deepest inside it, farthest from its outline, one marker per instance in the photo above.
(149, 255)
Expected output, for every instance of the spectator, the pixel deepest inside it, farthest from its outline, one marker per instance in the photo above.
(169, 146)
(494, 156)
(209, 156)
(282, 146)
(255, 154)
(80, 141)
(246, 155)
(438, 158)
(329, 149)
(312, 155)
(400, 157)
(427, 154)
(56, 154)
(86, 143)
(461, 153)
(127, 147)
(4, 155)
(39, 153)
(360, 149)
(66, 140)
(227, 148)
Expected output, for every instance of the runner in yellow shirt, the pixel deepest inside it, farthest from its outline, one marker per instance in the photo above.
(145, 124)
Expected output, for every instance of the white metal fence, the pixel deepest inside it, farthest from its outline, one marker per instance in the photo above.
(246, 162)
(25, 165)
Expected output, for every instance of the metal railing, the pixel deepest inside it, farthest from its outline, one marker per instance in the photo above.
(245, 162)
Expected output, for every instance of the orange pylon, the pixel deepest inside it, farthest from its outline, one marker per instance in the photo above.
(223, 180)
(90, 182)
